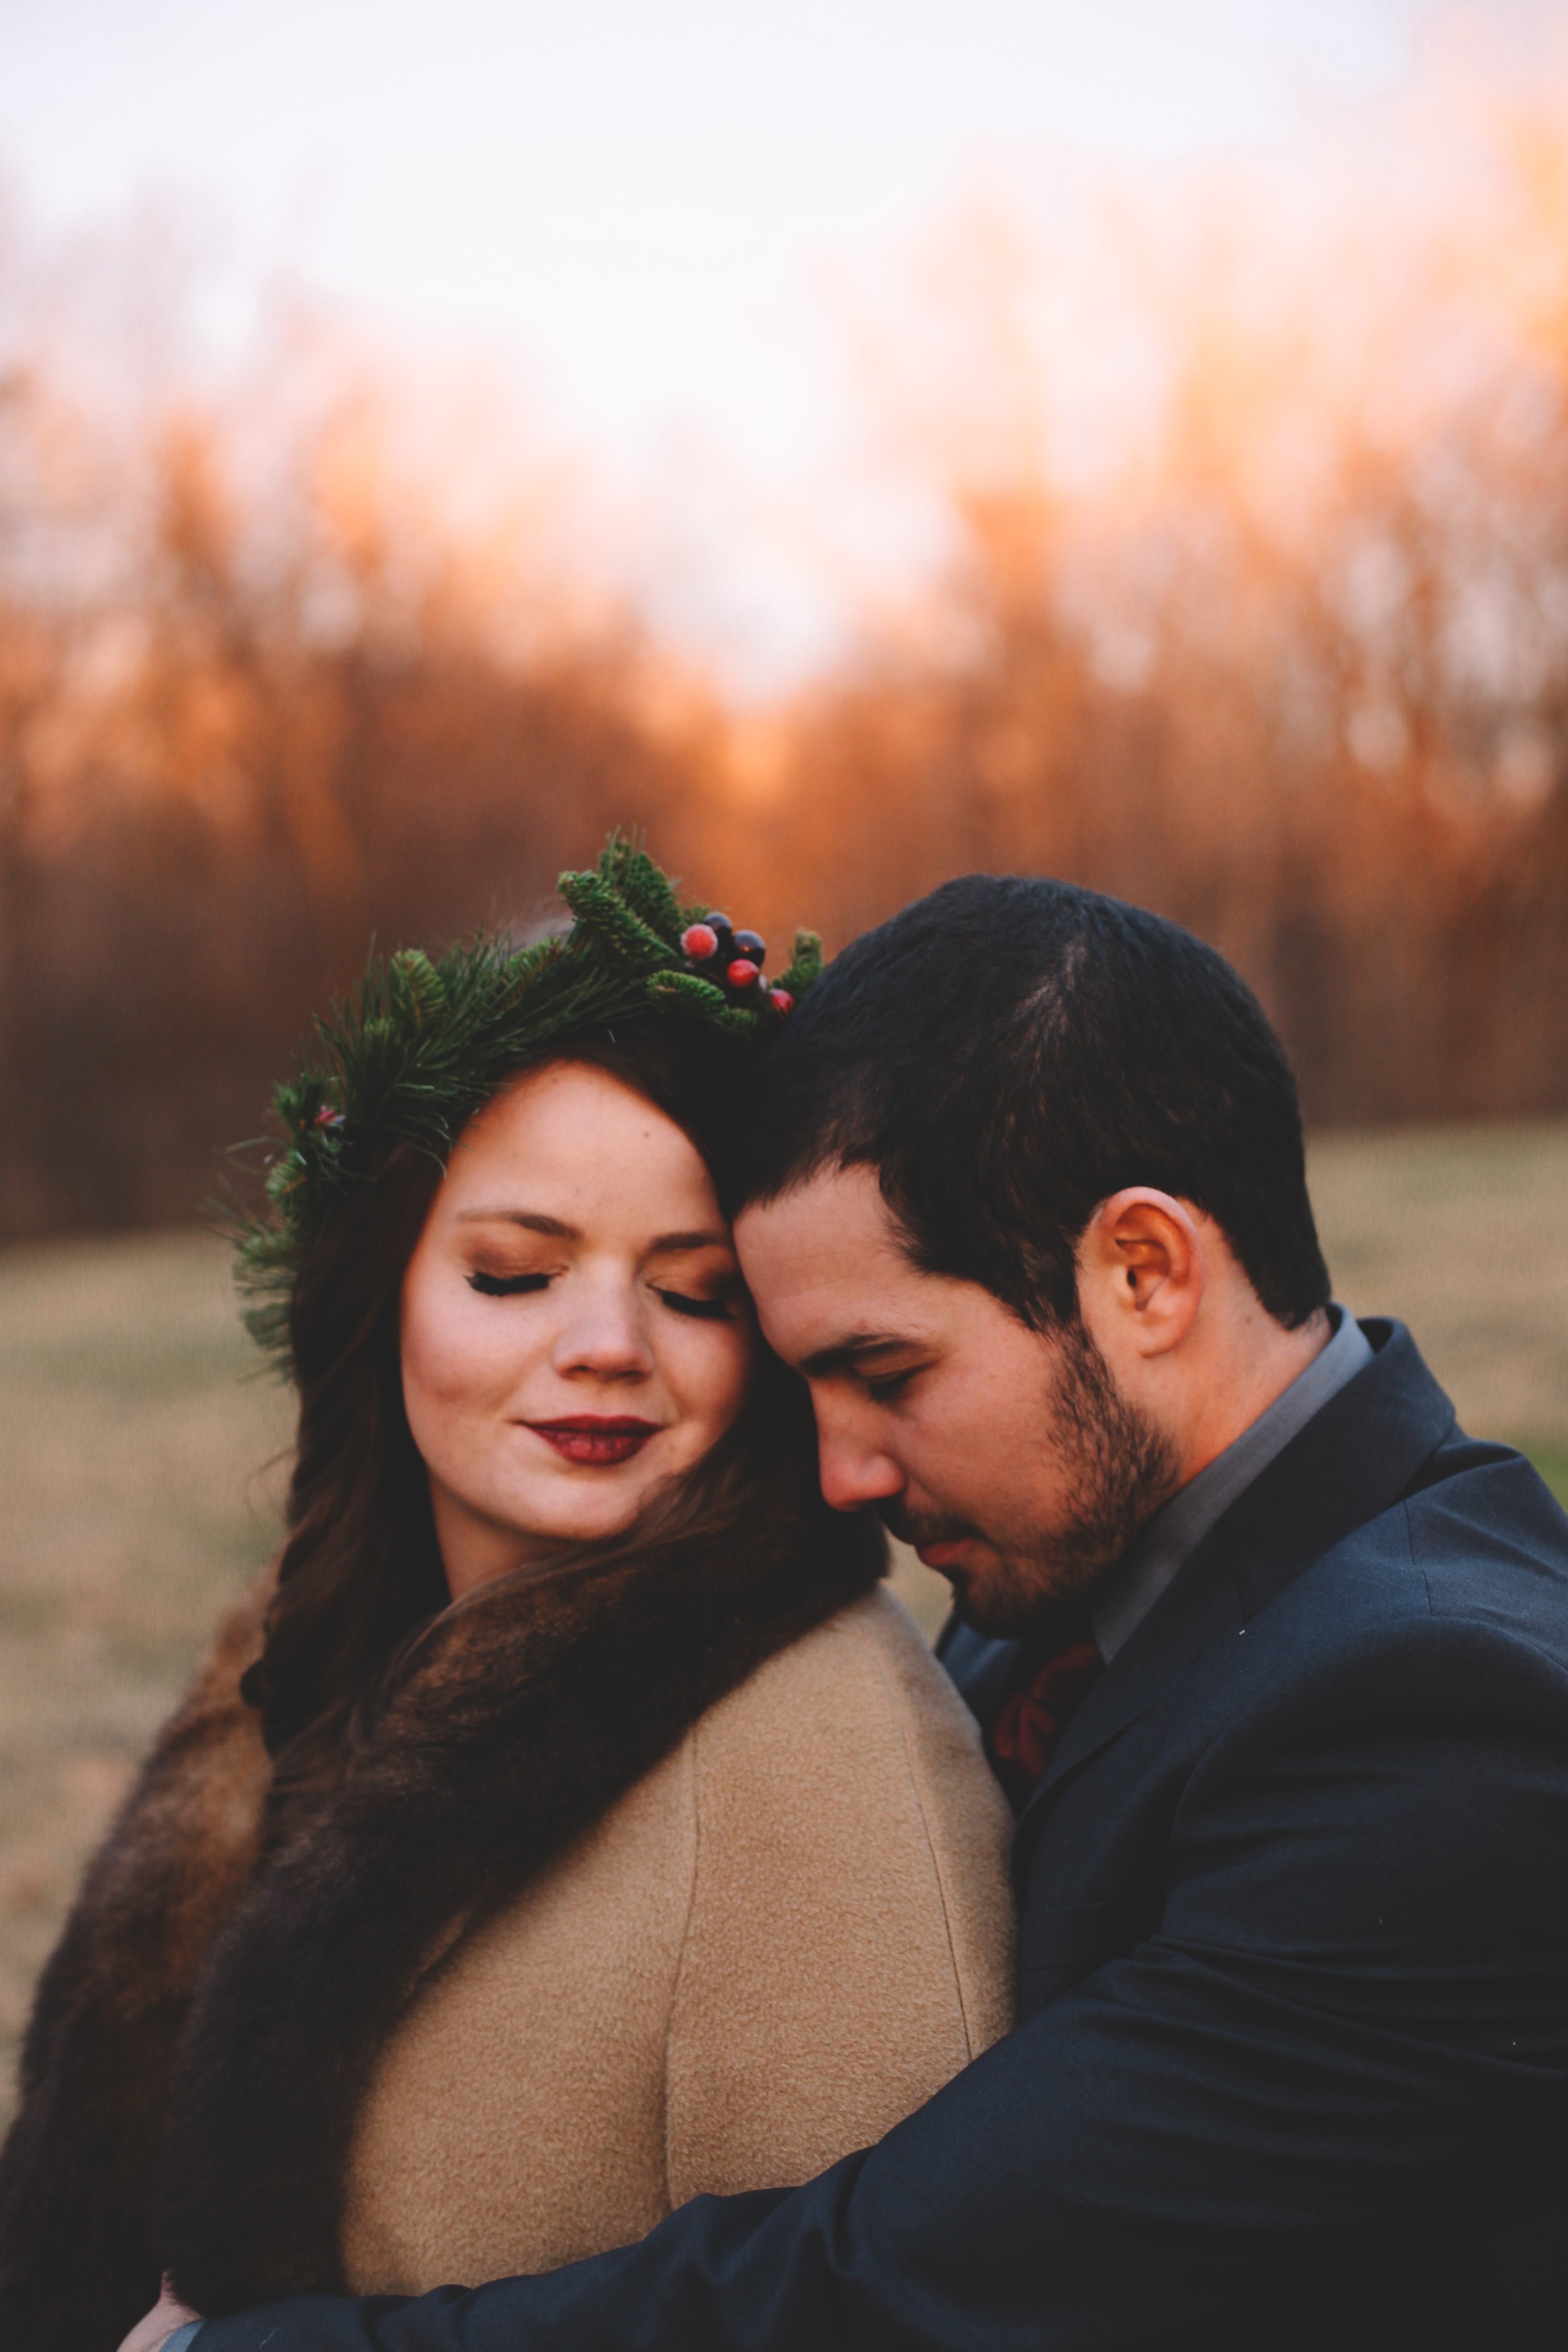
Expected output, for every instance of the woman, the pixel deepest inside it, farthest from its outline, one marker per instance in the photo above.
(573, 1826)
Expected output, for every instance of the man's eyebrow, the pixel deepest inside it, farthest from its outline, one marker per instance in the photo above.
(556, 1227)
(859, 1345)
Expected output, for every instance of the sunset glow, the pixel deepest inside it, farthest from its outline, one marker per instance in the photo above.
(636, 204)
(860, 446)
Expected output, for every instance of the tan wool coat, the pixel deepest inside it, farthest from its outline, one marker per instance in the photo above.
(771, 1949)
(683, 1873)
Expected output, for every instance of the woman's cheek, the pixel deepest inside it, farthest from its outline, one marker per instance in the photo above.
(714, 1378)
(452, 1370)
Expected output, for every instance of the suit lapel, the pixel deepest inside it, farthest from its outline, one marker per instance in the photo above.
(1347, 1464)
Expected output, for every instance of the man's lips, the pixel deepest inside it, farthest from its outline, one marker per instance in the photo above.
(596, 1439)
(934, 1537)
(942, 1556)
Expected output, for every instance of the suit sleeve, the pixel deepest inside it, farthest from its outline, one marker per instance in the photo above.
(1353, 2018)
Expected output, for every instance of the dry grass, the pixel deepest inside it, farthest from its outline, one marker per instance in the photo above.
(135, 1438)
(134, 1501)
(1463, 1234)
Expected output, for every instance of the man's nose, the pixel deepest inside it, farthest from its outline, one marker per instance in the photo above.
(853, 1472)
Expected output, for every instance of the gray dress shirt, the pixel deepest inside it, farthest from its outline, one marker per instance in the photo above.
(1180, 1526)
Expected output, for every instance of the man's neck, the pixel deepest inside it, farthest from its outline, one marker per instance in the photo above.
(1252, 1366)
(1167, 1540)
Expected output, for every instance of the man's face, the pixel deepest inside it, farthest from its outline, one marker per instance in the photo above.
(1007, 1457)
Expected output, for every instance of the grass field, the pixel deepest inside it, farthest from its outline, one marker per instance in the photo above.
(141, 1470)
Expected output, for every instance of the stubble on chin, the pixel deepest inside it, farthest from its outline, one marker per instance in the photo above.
(1117, 1468)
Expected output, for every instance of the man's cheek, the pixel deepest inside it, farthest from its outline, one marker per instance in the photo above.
(919, 1440)
(938, 1472)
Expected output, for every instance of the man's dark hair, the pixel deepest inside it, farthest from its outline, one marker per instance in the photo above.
(1006, 1053)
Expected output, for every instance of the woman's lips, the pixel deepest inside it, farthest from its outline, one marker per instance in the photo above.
(599, 1441)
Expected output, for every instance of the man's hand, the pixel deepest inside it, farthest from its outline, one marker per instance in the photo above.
(150, 2335)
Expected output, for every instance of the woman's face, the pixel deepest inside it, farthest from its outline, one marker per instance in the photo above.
(575, 1329)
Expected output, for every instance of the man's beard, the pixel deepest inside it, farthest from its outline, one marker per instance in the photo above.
(1116, 1468)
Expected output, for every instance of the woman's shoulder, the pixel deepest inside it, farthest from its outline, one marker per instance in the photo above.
(868, 1661)
(234, 1643)
(860, 1714)
(197, 1801)
(214, 1736)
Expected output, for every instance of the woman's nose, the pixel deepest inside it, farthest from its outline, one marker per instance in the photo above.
(605, 1335)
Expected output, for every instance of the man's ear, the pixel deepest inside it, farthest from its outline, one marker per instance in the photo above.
(1141, 1270)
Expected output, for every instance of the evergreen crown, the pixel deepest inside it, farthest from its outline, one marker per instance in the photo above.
(416, 1048)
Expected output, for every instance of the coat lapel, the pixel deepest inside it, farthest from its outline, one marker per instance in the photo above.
(1352, 1460)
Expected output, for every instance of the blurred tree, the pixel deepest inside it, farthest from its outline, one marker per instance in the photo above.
(1254, 607)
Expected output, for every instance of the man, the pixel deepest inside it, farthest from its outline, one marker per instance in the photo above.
(1272, 1658)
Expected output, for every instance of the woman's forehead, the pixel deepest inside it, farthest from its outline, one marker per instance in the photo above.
(573, 1144)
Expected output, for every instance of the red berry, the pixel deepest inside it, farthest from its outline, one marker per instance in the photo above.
(781, 1000)
(743, 972)
(751, 943)
(699, 942)
(328, 1117)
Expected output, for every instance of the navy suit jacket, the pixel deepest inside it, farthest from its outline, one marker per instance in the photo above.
(1293, 2059)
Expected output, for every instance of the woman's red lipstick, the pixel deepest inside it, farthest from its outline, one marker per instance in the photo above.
(599, 1440)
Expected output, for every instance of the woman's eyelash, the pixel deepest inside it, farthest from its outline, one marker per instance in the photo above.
(514, 1285)
(713, 1310)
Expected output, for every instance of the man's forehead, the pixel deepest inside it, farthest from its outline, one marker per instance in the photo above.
(827, 1268)
(835, 1219)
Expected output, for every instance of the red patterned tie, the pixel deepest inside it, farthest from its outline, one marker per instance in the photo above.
(1037, 1711)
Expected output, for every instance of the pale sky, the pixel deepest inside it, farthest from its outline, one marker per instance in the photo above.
(634, 203)
(633, 194)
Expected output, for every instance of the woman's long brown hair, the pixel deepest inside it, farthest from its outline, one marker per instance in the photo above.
(360, 1578)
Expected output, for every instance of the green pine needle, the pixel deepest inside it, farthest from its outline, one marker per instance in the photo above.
(806, 965)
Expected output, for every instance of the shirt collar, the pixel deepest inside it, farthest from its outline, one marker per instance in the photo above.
(1164, 1544)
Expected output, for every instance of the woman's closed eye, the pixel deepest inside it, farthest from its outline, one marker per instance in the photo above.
(711, 1310)
(505, 1285)
(720, 1309)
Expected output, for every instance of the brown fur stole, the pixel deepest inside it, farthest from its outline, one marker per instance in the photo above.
(79, 2223)
(539, 1705)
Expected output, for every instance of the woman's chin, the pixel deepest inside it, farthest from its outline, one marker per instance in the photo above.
(484, 1537)
(583, 1504)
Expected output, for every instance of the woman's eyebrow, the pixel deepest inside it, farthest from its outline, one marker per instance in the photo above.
(555, 1227)
(670, 1243)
